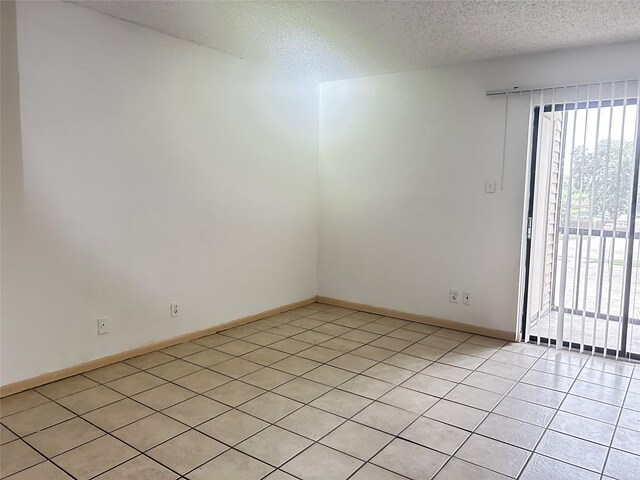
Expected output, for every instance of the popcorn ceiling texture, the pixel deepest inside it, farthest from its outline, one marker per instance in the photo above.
(329, 41)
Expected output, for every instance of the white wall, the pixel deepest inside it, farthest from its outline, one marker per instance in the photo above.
(152, 170)
(403, 163)
(139, 169)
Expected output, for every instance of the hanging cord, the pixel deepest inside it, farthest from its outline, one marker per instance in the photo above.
(504, 140)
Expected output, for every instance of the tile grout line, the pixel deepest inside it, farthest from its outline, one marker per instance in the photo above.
(558, 409)
(546, 428)
(472, 432)
(107, 433)
(129, 397)
(169, 381)
(189, 428)
(297, 376)
(336, 387)
(397, 436)
(314, 442)
(615, 428)
(231, 447)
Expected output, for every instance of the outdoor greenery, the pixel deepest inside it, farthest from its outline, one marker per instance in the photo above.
(602, 167)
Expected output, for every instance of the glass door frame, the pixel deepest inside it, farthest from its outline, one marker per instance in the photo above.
(631, 235)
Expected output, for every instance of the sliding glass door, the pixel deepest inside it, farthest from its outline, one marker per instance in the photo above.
(583, 262)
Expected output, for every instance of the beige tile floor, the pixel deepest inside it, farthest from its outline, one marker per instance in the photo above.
(322, 392)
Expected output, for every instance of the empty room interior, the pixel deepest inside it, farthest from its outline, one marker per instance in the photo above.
(320, 240)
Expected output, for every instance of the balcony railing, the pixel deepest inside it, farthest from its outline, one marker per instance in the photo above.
(604, 235)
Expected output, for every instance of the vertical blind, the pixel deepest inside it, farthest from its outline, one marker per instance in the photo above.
(584, 263)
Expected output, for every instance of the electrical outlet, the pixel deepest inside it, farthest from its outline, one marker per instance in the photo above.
(174, 309)
(454, 296)
(466, 298)
(490, 186)
(103, 326)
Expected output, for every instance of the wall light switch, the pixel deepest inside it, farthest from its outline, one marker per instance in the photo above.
(490, 186)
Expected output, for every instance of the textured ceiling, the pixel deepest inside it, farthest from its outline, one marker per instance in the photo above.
(345, 39)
